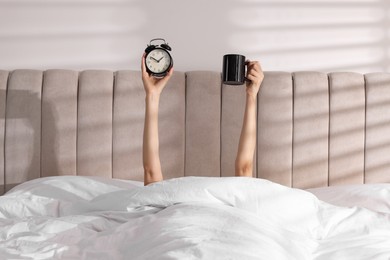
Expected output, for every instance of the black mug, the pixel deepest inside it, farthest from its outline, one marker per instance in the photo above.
(233, 69)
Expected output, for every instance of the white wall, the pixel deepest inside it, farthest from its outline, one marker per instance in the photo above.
(346, 35)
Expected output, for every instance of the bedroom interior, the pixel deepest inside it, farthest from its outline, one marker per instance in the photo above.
(72, 111)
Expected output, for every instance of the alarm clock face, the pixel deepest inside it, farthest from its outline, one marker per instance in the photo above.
(158, 61)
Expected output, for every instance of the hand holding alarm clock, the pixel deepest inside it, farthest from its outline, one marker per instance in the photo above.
(156, 68)
(158, 61)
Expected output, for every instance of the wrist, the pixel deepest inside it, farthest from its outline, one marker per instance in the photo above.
(152, 96)
(251, 97)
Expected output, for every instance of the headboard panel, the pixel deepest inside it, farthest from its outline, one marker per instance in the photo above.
(59, 122)
(129, 105)
(23, 127)
(377, 135)
(94, 123)
(275, 128)
(310, 129)
(346, 129)
(203, 124)
(314, 129)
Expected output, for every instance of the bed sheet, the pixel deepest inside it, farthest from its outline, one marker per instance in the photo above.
(373, 196)
(75, 217)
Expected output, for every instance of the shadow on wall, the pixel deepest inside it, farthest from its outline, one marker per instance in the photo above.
(69, 34)
(112, 34)
(284, 35)
(317, 35)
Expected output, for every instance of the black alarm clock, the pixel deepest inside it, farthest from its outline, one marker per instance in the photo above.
(158, 61)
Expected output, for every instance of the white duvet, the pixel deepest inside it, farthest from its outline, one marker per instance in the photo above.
(73, 217)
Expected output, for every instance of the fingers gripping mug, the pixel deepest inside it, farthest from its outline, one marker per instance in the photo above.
(233, 69)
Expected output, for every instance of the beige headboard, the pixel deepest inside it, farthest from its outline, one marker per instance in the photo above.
(314, 129)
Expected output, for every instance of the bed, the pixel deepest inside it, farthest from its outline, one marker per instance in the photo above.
(71, 168)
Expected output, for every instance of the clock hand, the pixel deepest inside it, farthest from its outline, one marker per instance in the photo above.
(160, 59)
(154, 59)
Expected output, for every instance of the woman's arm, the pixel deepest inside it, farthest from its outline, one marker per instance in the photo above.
(247, 144)
(150, 150)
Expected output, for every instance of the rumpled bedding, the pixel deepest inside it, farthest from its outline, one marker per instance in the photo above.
(75, 217)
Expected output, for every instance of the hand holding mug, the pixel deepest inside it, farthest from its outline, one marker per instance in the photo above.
(254, 76)
(233, 73)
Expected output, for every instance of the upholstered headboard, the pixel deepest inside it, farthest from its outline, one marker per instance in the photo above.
(314, 129)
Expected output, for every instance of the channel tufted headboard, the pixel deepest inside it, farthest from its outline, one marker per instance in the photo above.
(314, 129)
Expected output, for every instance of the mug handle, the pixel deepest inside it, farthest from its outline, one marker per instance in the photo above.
(246, 70)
